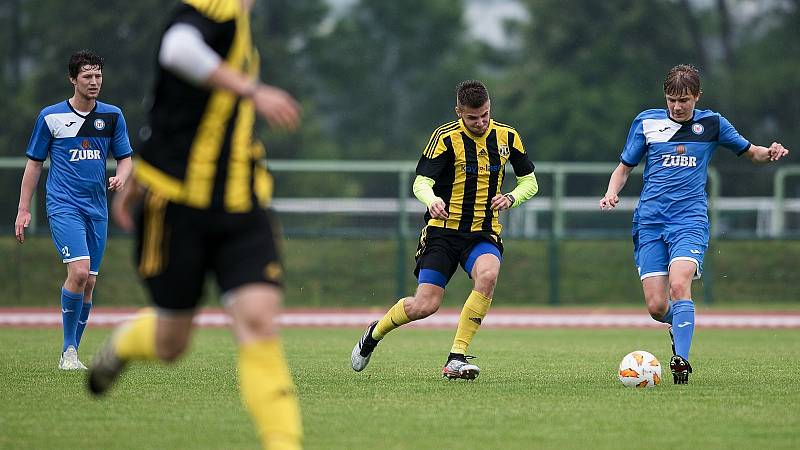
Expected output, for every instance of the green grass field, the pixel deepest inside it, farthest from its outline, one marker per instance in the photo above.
(538, 389)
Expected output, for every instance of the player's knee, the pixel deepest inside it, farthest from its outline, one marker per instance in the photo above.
(487, 276)
(422, 306)
(171, 352)
(90, 282)
(78, 277)
(261, 326)
(680, 289)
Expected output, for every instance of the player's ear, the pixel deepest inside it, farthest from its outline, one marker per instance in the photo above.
(458, 110)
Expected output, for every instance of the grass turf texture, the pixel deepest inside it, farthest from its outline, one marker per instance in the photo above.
(538, 389)
(758, 274)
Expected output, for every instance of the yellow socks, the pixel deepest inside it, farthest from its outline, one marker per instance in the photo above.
(395, 317)
(136, 340)
(475, 309)
(269, 394)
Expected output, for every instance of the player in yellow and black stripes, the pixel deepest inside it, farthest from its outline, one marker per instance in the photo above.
(459, 179)
(202, 192)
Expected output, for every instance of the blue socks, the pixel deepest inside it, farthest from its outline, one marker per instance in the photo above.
(683, 326)
(667, 317)
(71, 306)
(84, 318)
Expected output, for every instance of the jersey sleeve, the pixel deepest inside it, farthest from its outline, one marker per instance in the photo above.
(730, 138)
(120, 144)
(39, 145)
(518, 156)
(635, 146)
(436, 156)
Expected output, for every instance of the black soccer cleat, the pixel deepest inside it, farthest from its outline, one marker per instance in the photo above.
(362, 351)
(105, 369)
(680, 369)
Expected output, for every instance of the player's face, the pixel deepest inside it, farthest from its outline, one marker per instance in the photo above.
(88, 82)
(681, 107)
(475, 119)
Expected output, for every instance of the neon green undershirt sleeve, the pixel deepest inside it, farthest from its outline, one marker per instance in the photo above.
(527, 187)
(423, 190)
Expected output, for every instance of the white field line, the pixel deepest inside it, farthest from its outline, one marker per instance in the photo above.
(441, 320)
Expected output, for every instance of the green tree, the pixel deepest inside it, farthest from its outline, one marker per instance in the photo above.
(384, 76)
(585, 69)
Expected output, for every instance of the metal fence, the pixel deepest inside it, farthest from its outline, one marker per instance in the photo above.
(382, 207)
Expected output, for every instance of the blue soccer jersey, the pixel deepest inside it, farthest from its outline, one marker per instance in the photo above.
(78, 146)
(676, 163)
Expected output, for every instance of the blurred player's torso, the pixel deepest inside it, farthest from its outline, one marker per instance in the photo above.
(200, 150)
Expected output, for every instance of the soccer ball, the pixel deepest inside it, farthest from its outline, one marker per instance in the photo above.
(639, 369)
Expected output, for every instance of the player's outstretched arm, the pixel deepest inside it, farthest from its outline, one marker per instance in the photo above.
(618, 179)
(30, 179)
(124, 168)
(759, 154)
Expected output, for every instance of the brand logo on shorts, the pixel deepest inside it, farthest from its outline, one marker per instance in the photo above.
(695, 252)
(99, 124)
(65, 251)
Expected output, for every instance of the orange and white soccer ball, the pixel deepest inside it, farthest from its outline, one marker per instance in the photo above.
(640, 369)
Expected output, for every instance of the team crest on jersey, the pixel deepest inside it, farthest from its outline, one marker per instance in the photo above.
(99, 124)
(697, 129)
(503, 150)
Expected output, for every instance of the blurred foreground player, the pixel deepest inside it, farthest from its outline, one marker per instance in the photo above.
(202, 193)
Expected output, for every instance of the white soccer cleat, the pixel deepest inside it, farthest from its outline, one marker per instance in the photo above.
(82, 366)
(458, 368)
(362, 351)
(69, 360)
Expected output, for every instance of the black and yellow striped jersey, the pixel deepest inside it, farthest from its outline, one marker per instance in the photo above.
(468, 171)
(201, 151)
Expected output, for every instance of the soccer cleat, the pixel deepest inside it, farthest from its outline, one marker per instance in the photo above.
(680, 369)
(82, 366)
(362, 352)
(69, 359)
(671, 339)
(459, 367)
(106, 367)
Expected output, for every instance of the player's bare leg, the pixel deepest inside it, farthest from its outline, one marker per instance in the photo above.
(266, 384)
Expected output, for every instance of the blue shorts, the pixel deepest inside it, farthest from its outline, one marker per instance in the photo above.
(655, 247)
(78, 237)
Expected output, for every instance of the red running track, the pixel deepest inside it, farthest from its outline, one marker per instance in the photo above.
(445, 318)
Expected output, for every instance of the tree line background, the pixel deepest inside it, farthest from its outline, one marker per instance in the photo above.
(377, 77)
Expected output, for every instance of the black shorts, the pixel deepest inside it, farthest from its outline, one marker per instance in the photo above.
(177, 245)
(443, 249)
